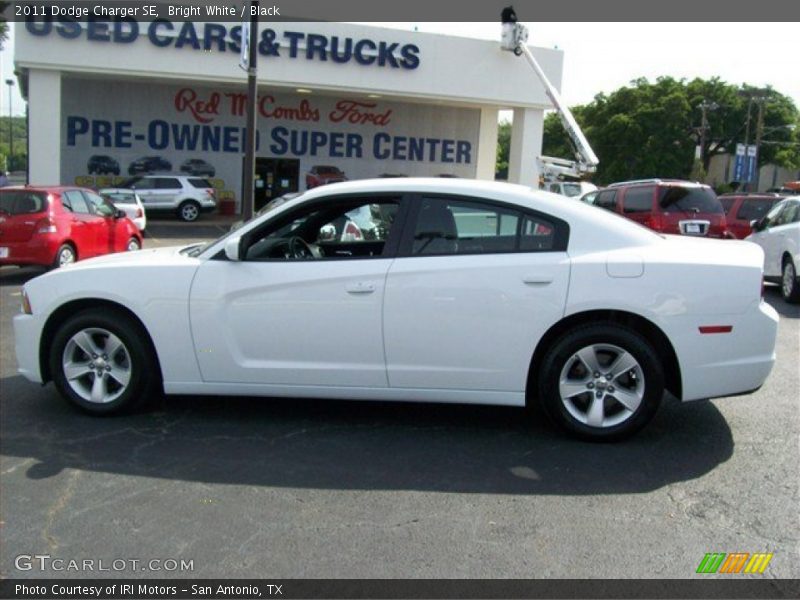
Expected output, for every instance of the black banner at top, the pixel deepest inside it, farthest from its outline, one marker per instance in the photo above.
(407, 10)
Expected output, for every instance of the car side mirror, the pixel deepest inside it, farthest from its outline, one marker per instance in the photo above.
(119, 214)
(233, 248)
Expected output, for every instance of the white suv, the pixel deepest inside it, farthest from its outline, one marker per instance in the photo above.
(186, 196)
(778, 233)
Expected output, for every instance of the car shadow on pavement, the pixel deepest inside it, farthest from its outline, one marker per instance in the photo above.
(357, 445)
(19, 275)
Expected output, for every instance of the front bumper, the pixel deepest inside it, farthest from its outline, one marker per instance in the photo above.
(27, 333)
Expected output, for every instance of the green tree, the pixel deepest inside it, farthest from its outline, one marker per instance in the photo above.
(3, 25)
(20, 159)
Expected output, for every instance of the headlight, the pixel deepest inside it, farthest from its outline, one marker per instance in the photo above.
(26, 303)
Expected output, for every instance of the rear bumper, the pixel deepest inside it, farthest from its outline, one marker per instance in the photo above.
(39, 250)
(728, 364)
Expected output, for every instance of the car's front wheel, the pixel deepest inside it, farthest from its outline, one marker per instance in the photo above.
(601, 382)
(189, 210)
(790, 290)
(101, 362)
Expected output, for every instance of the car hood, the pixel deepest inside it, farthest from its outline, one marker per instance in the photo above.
(153, 256)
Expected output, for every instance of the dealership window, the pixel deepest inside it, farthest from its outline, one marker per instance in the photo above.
(344, 230)
(638, 199)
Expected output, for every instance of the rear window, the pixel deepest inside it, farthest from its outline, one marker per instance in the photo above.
(753, 209)
(689, 199)
(22, 202)
(121, 197)
(572, 189)
(200, 183)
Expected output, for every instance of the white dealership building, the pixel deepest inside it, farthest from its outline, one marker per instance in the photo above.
(111, 99)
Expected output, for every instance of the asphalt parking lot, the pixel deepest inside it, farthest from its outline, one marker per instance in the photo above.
(296, 488)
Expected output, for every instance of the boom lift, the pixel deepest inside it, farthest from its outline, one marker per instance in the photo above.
(514, 38)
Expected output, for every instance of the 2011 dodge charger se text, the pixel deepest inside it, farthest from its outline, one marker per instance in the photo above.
(465, 291)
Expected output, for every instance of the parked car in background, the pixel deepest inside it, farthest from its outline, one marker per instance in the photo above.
(187, 197)
(323, 175)
(129, 202)
(667, 206)
(149, 164)
(570, 189)
(742, 208)
(102, 164)
(778, 233)
(561, 304)
(197, 166)
(589, 197)
(56, 226)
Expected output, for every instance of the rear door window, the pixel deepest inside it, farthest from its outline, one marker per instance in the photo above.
(606, 199)
(168, 183)
(638, 200)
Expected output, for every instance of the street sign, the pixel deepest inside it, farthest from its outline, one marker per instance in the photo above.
(752, 162)
(738, 166)
(244, 59)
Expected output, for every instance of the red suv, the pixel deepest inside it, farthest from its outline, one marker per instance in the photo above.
(55, 226)
(667, 206)
(743, 208)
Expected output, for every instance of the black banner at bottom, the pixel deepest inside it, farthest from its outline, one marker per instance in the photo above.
(157, 589)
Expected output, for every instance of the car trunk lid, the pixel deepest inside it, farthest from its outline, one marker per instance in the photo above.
(21, 211)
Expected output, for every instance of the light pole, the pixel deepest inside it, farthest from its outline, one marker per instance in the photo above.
(10, 84)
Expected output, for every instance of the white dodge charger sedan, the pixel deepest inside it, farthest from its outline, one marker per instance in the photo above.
(458, 291)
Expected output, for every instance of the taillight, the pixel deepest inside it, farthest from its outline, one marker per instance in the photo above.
(211, 192)
(656, 222)
(139, 212)
(46, 225)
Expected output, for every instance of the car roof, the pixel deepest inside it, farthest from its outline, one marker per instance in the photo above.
(45, 188)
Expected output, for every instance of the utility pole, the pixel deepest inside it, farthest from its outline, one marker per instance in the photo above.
(705, 106)
(252, 97)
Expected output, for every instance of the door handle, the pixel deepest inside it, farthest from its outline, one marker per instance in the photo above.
(361, 287)
(537, 279)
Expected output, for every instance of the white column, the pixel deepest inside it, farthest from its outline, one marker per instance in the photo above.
(526, 145)
(487, 145)
(44, 127)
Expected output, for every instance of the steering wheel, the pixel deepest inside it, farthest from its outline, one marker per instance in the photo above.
(299, 248)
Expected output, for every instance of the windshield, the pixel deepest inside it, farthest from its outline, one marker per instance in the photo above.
(689, 199)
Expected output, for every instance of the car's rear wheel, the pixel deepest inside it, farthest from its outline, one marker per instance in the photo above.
(66, 255)
(189, 210)
(790, 290)
(101, 362)
(601, 382)
(133, 245)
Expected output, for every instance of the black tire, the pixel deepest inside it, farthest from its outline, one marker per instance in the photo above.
(188, 211)
(63, 251)
(649, 380)
(790, 286)
(145, 379)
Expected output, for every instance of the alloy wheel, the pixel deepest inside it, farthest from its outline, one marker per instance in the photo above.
(96, 365)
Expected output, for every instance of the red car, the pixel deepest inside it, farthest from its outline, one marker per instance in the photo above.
(322, 175)
(742, 208)
(55, 226)
(667, 206)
